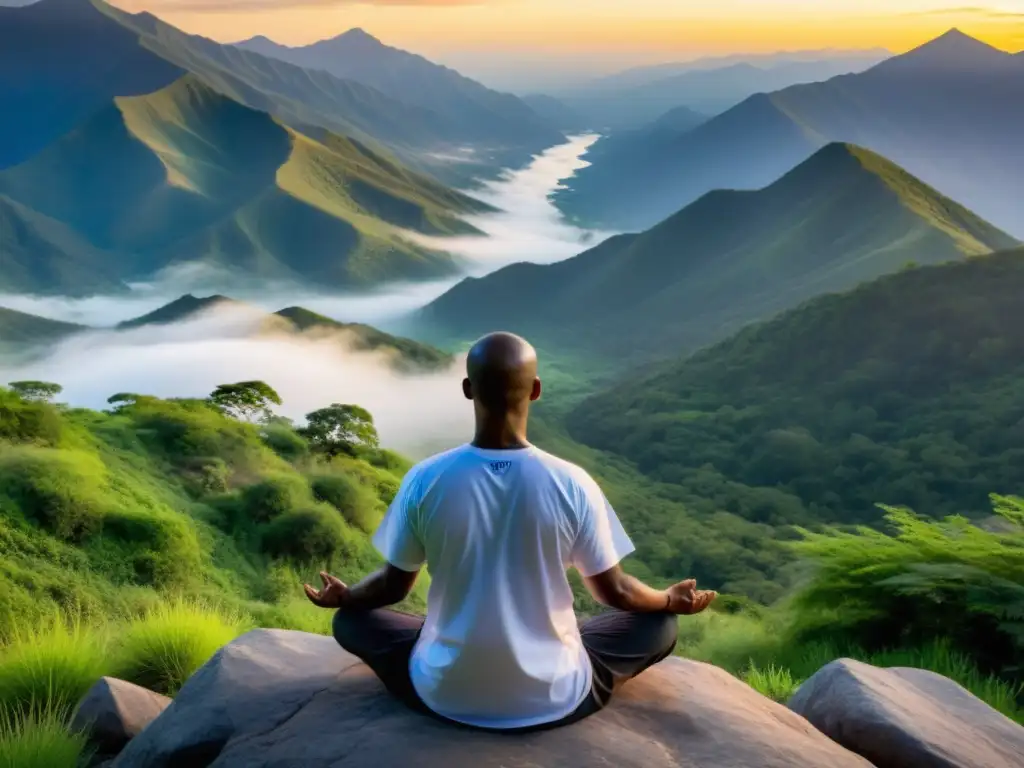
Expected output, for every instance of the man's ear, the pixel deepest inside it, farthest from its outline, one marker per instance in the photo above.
(467, 389)
(535, 392)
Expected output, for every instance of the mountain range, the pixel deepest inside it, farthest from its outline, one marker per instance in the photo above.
(484, 115)
(949, 112)
(26, 332)
(639, 96)
(188, 175)
(842, 217)
(42, 83)
(903, 391)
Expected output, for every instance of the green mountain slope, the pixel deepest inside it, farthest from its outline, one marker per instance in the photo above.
(904, 391)
(60, 60)
(186, 174)
(21, 327)
(408, 355)
(38, 254)
(405, 355)
(43, 82)
(843, 217)
(949, 112)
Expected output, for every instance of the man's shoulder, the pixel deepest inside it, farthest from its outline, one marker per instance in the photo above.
(437, 462)
(564, 469)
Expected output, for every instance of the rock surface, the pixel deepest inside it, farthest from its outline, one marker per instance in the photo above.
(277, 698)
(908, 718)
(113, 712)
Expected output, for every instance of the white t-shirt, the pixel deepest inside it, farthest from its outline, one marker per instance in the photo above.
(500, 647)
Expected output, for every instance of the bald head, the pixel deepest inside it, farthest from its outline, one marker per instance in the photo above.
(501, 372)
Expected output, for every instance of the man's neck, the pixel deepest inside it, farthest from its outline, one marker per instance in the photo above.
(507, 434)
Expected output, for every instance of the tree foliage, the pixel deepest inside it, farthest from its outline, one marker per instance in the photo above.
(247, 400)
(341, 429)
(36, 391)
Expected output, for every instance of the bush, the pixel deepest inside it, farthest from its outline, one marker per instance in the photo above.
(163, 648)
(22, 421)
(285, 441)
(50, 667)
(275, 496)
(206, 474)
(923, 580)
(39, 739)
(776, 683)
(60, 490)
(356, 503)
(149, 548)
(313, 534)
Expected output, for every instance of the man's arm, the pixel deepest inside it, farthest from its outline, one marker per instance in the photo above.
(617, 589)
(383, 587)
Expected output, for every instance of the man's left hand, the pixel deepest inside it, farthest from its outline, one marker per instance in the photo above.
(333, 595)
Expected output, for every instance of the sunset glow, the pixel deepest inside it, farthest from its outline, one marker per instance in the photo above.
(640, 30)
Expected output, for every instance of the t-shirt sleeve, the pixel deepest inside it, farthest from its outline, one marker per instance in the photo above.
(601, 542)
(397, 538)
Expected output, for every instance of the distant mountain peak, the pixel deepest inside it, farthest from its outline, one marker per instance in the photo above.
(953, 50)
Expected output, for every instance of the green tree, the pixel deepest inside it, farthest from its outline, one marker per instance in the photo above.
(247, 400)
(36, 391)
(340, 429)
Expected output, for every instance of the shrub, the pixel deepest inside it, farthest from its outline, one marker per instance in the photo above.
(356, 503)
(163, 648)
(925, 579)
(22, 421)
(150, 548)
(206, 474)
(39, 739)
(313, 534)
(285, 441)
(776, 683)
(60, 490)
(275, 496)
(50, 667)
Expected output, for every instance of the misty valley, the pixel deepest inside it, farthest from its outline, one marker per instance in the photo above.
(775, 298)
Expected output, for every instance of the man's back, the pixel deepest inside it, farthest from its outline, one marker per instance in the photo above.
(500, 645)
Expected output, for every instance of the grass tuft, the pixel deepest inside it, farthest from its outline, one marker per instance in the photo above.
(50, 667)
(161, 649)
(39, 738)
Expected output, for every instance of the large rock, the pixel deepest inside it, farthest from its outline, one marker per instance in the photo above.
(908, 718)
(279, 699)
(113, 712)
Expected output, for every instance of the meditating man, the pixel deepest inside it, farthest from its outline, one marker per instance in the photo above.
(497, 522)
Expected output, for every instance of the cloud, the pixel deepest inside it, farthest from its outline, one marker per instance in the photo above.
(415, 414)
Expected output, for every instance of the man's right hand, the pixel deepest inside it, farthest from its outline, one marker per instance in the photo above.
(684, 599)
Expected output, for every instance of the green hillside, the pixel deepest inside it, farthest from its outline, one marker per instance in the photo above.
(409, 355)
(39, 255)
(176, 311)
(186, 174)
(904, 391)
(843, 217)
(947, 112)
(43, 81)
(21, 328)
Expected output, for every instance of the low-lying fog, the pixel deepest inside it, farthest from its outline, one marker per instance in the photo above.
(414, 414)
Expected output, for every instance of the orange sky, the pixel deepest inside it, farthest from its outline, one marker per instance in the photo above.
(635, 30)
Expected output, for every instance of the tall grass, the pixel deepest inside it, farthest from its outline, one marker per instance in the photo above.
(161, 649)
(50, 667)
(39, 738)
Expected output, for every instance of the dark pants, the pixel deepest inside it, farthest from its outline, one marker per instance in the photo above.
(620, 645)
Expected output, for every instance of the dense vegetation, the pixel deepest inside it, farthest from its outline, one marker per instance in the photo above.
(906, 391)
(844, 216)
(103, 512)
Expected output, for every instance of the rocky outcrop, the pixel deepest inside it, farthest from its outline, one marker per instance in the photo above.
(114, 712)
(908, 718)
(277, 698)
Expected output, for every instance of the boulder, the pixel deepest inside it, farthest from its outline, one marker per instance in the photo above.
(281, 698)
(113, 712)
(908, 718)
